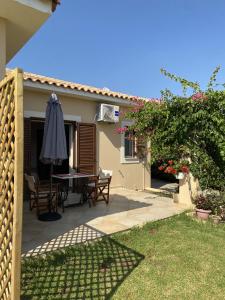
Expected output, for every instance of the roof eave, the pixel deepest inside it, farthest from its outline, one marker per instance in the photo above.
(44, 87)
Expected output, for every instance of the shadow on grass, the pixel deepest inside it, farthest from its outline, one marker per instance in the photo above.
(86, 271)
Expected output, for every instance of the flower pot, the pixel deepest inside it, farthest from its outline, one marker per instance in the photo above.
(202, 213)
(180, 176)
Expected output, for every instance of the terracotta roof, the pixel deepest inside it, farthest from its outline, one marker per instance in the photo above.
(76, 86)
(55, 3)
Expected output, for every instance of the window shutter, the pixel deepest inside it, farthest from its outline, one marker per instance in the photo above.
(86, 148)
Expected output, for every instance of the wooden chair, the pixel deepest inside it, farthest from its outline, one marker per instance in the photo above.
(39, 195)
(37, 179)
(105, 174)
(98, 190)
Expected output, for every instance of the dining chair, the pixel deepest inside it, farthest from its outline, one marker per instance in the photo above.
(39, 195)
(97, 189)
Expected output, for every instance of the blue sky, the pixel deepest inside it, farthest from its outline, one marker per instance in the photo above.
(122, 44)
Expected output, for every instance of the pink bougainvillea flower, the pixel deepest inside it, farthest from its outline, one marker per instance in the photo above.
(156, 100)
(170, 162)
(198, 96)
(141, 104)
(121, 129)
(141, 101)
(136, 109)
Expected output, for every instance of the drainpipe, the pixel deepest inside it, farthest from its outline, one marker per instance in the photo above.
(2, 48)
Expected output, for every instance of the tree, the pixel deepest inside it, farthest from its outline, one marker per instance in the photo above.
(186, 127)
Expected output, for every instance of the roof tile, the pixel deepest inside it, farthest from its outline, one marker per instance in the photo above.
(75, 86)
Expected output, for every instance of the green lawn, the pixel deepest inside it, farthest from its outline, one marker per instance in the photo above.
(177, 258)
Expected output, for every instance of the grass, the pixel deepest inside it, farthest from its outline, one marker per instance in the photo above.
(176, 258)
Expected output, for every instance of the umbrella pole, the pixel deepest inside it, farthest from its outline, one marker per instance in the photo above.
(50, 200)
(50, 215)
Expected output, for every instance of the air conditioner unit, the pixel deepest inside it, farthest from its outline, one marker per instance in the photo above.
(107, 113)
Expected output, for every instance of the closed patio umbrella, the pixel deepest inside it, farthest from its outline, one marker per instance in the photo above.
(54, 149)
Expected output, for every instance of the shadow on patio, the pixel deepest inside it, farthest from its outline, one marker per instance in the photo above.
(92, 270)
(40, 237)
(80, 224)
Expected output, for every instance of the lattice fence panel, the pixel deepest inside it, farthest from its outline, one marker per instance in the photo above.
(10, 226)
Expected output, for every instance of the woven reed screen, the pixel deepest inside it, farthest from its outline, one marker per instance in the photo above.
(11, 183)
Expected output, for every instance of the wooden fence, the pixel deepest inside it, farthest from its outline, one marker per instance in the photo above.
(11, 183)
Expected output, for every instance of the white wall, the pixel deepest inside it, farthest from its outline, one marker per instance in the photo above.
(41, 5)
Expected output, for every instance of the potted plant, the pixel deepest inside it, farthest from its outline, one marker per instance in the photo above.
(217, 205)
(203, 206)
(180, 175)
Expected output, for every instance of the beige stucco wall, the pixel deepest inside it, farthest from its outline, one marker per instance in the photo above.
(129, 175)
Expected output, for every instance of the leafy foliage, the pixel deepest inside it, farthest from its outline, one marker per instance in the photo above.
(191, 128)
(184, 82)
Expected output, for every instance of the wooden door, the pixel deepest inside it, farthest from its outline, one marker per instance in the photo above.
(86, 148)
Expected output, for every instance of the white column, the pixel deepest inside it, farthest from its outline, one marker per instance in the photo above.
(2, 48)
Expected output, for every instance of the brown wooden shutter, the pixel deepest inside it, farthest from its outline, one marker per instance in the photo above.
(27, 145)
(86, 148)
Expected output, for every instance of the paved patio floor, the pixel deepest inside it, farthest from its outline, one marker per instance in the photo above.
(78, 224)
(170, 187)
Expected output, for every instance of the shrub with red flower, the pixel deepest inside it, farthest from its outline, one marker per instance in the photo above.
(170, 170)
(185, 169)
(173, 167)
(162, 168)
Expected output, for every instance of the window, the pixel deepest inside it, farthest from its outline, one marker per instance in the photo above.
(128, 145)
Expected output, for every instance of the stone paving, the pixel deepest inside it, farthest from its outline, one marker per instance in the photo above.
(126, 209)
(170, 187)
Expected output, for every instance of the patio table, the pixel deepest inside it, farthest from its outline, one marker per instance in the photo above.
(64, 189)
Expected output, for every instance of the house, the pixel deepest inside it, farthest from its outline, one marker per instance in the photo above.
(92, 145)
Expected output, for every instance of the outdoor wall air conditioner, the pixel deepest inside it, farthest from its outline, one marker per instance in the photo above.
(107, 113)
